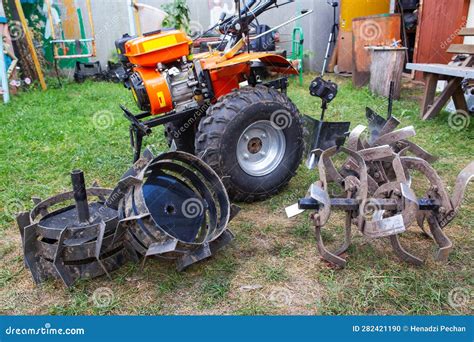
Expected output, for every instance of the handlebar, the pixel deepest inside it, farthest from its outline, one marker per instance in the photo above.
(248, 6)
(239, 23)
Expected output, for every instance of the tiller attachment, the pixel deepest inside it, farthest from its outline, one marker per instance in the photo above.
(69, 242)
(375, 190)
(175, 207)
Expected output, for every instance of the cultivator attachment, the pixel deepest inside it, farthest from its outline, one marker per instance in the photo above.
(175, 207)
(374, 189)
(69, 242)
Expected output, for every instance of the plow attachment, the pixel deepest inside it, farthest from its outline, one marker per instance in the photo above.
(321, 135)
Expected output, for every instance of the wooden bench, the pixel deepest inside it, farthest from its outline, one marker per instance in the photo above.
(432, 105)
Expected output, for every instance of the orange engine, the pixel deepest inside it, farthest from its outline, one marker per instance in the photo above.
(164, 76)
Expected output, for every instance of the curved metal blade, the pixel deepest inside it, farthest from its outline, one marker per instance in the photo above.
(462, 182)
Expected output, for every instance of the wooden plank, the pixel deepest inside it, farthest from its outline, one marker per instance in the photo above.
(442, 99)
(371, 31)
(443, 69)
(459, 49)
(431, 82)
(467, 31)
(31, 47)
(386, 67)
(416, 50)
(333, 60)
(344, 52)
(468, 62)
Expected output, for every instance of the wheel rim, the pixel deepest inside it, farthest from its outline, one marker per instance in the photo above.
(261, 148)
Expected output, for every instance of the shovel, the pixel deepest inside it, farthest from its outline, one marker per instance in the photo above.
(323, 135)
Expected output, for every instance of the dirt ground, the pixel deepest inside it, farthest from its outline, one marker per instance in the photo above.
(271, 268)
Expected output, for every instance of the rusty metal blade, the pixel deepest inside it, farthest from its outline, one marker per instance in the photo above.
(460, 187)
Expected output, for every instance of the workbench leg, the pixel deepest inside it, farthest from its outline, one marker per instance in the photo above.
(460, 100)
(453, 85)
(431, 82)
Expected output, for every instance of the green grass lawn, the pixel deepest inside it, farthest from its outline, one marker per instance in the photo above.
(271, 268)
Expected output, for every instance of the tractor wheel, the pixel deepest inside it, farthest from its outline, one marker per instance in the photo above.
(253, 138)
(184, 139)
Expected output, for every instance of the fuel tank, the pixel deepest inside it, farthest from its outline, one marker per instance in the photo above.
(158, 47)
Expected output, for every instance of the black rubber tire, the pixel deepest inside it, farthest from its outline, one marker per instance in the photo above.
(184, 138)
(220, 130)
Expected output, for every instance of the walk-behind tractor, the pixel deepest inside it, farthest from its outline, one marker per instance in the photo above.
(229, 108)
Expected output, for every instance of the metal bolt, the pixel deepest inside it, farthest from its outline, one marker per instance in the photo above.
(377, 175)
(246, 156)
(263, 153)
(264, 136)
(442, 210)
(246, 137)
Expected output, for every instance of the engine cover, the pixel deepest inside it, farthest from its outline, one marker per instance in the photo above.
(160, 47)
(150, 91)
(161, 92)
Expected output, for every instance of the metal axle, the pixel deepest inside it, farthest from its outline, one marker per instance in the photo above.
(80, 196)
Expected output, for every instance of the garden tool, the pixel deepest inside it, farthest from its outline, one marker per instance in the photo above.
(71, 242)
(321, 134)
